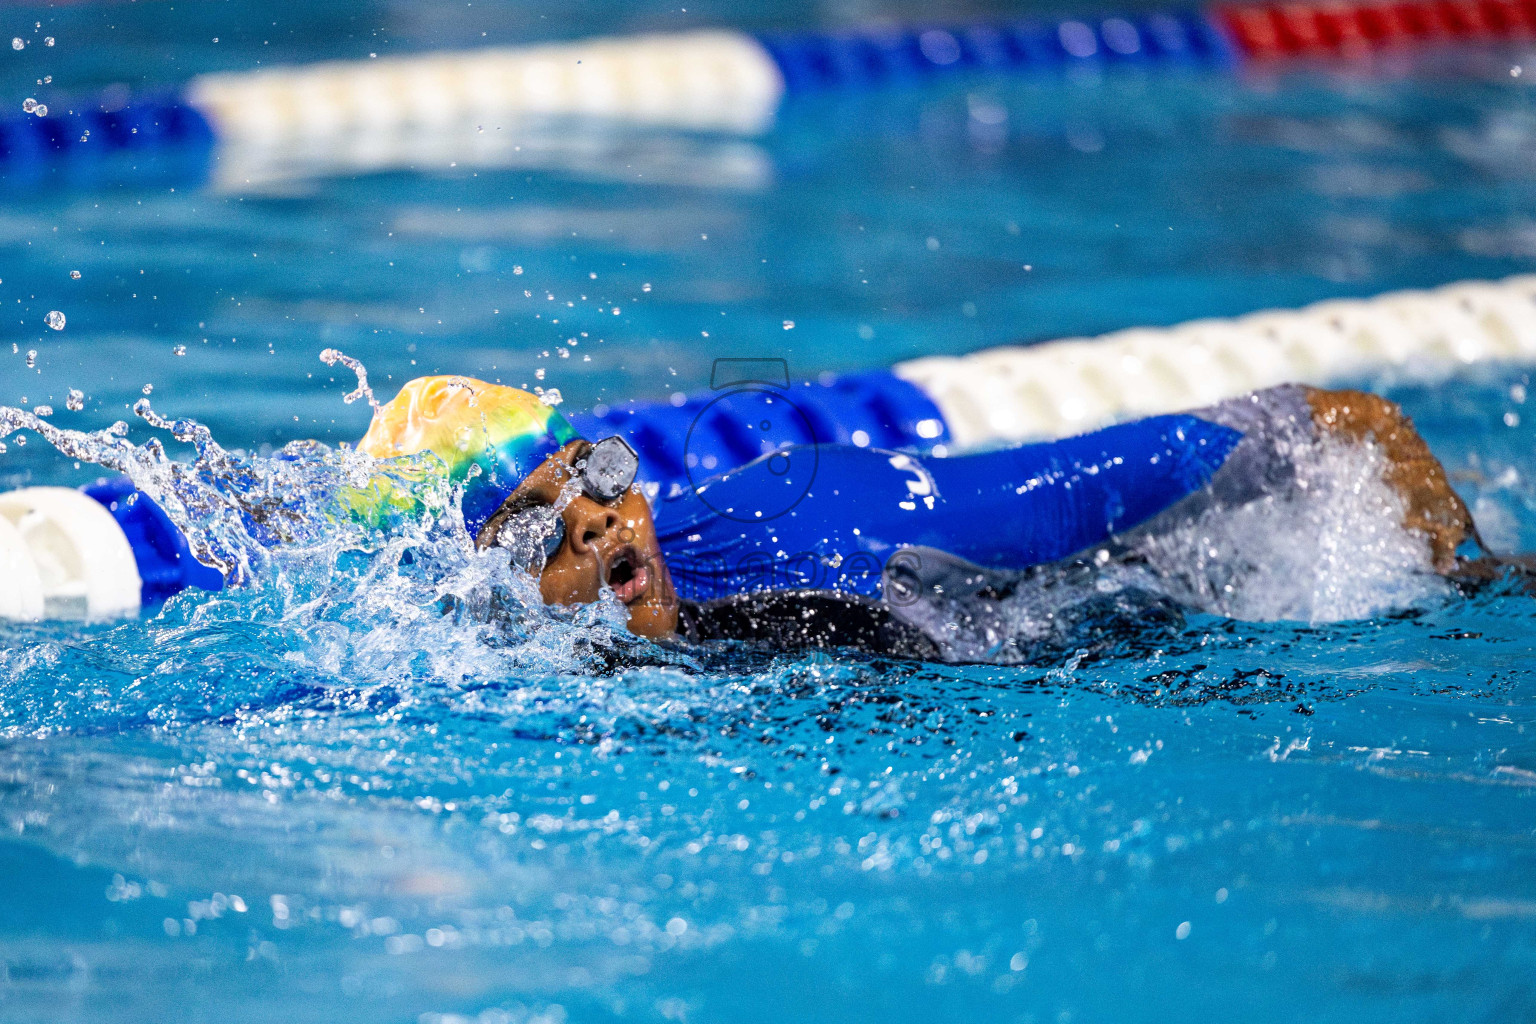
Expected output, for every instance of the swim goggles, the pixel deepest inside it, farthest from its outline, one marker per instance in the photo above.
(606, 471)
(609, 469)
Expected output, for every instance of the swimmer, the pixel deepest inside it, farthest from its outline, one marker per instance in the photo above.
(815, 547)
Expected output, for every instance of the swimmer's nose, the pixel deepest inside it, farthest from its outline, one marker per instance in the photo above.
(586, 521)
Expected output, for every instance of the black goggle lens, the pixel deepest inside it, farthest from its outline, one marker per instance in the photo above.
(609, 469)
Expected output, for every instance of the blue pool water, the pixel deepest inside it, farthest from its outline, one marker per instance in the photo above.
(315, 799)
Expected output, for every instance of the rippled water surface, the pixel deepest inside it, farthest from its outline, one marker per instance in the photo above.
(317, 798)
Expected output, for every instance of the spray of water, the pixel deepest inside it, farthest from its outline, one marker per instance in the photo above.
(373, 600)
(1326, 546)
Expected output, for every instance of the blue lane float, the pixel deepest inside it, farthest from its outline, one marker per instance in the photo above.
(165, 562)
(882, 58)
(99, 130)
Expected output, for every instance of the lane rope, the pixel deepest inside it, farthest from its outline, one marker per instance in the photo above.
(1020, 393)
(712, 81)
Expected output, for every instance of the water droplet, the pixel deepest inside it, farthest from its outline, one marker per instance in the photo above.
(517, 270)
(21, 439)
(551, 397)
(332, 356)
(47, 40)
(31, 358)
(789, 325)
(74, 275)
(141, 407)
(179, 350)
(18, 43)
(75, 400)
(646, 287)
(41, 110)
(28, 105)
(42, 410)
(54, 319)
(149, 389)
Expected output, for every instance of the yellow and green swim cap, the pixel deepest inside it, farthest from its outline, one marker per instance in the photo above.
(505, 432)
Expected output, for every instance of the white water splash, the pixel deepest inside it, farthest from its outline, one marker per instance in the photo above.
(332, 356)
(1331, 547)
(408, 598)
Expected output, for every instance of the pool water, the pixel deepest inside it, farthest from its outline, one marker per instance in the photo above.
(315, 798)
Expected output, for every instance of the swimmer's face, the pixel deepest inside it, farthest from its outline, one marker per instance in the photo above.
(605, 542)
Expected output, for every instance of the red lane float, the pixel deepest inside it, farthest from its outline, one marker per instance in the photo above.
(1268, 31)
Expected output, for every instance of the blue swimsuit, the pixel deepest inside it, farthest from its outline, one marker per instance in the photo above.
(829, 517)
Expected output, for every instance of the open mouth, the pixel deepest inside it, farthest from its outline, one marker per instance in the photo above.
(628, 576)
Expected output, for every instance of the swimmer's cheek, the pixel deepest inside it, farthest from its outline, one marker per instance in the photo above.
(653, 616)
